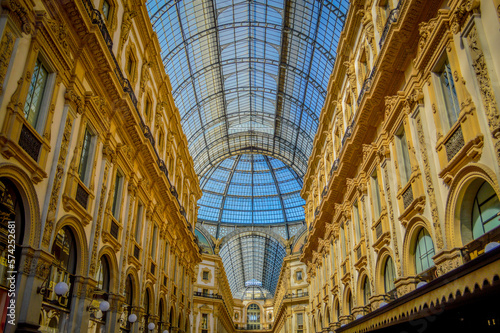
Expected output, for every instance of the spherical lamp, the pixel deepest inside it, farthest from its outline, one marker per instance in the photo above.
(104, 306)
(132, 318)
(151, 326)
(490, 246)
(421, 284)
(61, 288)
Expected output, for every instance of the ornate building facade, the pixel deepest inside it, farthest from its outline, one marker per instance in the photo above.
(94, 172)
(103, 227)
(402, 188)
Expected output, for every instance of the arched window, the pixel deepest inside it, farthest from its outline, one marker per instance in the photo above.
(64, 252)
(366, 291)
(389, 275)
(12, 218)
(253, 317)
(160, 317)
(146, 306)
(485, 209)
(349, 303)
(424, 251)
(103, 275)
(337, 310)
(103, 285)
(129, 297)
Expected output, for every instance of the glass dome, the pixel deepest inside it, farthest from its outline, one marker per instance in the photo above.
(251, 189)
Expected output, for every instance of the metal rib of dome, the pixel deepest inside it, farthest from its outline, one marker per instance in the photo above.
(251, 189)
(249, 75)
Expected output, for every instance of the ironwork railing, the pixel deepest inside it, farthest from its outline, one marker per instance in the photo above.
(407, 197)
(455, 143)
(367, 84)
(30, 143)
(96, 18)
(393, 17)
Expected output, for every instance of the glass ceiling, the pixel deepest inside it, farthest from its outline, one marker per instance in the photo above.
(251, 188)
(249, 75)
(251, 260)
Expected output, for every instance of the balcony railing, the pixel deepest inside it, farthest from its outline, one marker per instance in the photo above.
(201, 294)
(393, 17)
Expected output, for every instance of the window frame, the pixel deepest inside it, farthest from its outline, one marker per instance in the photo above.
(117, 194)
(419, 256)
(46, 96)
(88, 170)
(403, 154)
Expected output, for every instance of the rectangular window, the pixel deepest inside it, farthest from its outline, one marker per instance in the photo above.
(205, 275)
(105, 9)
(138, 222)
(332, 254)
(204, 321)
(35, 94)
(85, 158)
(147, 109)
(357, 223)
(299, 276)
(300, 321)
(205, 291)
(403, 156)
(343, 242)
(165, 259)
(376, 195)
(130, 64)
(153, 243)
(117, 195)
(449, 93)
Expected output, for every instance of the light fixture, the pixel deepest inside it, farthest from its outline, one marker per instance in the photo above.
(151, 326)
(166, 331)
(421, 284)
(61, 288)
(490, 246)
(132, 318)
(103, 306)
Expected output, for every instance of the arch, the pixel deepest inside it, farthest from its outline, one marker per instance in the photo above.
(82, 252)
(467, 176)
(415, 225)
(149, 301)
(383, 255)
(24, 185)
(171, 316)
(361, 284)
(348, 301)
(110, 255)
(132, 273)
(336, 307)
(252, 231)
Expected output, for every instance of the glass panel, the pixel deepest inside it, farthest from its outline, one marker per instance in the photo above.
(485, 210)
(105, 9)
(84, 158)
(449, 93)
(117, 195)
(389, 275)
(424, 251)
(35, 93)
(376, 196)
(234, 58)
(404, 158)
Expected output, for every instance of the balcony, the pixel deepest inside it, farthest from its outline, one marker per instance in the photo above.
(207, 295)
(381, 232)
